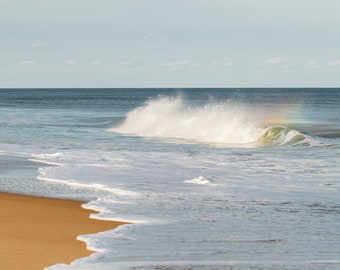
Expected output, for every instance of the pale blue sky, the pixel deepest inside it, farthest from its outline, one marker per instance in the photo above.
(169, 43)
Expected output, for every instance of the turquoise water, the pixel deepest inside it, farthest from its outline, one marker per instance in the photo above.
(212, 178)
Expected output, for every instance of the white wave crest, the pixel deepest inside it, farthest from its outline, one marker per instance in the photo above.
(172, 118)
(200, 181)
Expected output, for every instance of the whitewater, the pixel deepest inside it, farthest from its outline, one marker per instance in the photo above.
(226, 123)
(210, 178)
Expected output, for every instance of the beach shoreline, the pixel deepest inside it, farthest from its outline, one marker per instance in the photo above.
(38, 232)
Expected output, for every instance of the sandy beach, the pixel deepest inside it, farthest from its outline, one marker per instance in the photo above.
(39, 232)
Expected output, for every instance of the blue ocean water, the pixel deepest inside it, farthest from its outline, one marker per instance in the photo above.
(211, 178)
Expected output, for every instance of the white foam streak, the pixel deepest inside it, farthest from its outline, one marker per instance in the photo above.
(45, 162)
(200, 181)
(94, 186)
(45, 158)
(172, 118)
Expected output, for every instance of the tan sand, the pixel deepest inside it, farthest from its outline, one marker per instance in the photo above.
(38, 232)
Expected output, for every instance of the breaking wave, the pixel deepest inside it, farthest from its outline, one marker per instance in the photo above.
(279, 135)
(224, 123)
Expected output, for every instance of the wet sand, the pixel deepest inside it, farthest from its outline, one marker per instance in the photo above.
(39, 232)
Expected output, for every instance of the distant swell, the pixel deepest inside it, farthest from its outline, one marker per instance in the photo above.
(214, 122)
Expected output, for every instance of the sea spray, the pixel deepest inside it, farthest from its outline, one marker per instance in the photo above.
(172, 118)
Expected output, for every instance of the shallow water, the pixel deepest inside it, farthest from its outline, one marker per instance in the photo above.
(212, 178)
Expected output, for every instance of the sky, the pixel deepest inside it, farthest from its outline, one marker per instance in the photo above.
(169, 43)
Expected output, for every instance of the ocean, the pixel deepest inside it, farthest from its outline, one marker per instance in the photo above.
(210, 178)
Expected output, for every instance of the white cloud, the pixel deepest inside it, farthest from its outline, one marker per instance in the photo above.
(131, 64)
(334, 63)
(276, 60)
(311, 64)
(156, 41)
(180, 63)
(217, 64)
(70, 62)
(156, 36)
(158, 45)
(36, 45)
(96, 63)
(26, 63)
(149, 35)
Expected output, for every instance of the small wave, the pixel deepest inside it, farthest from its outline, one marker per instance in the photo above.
(200, 181)
(280, 135)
